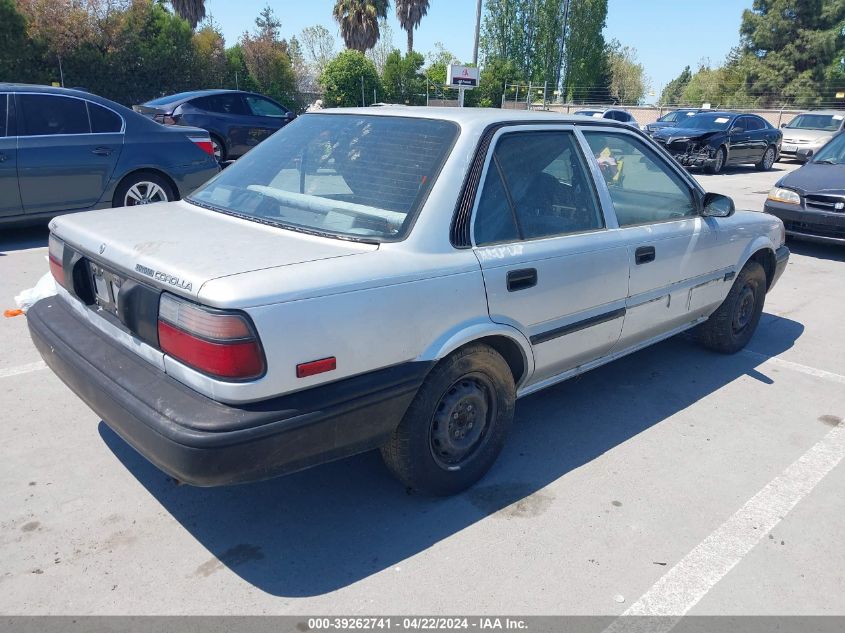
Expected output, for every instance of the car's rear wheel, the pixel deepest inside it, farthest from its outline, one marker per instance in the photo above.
(143, 188)
(456, 426)
(767, 160)
(719, 164)
(219, 148)
(733, 323)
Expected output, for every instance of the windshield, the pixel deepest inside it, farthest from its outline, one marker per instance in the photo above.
(832, 153)
(358, 176)
(677, 115)
(827, 122)
(706, 121)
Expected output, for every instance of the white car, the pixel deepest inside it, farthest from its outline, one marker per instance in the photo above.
(391, 278)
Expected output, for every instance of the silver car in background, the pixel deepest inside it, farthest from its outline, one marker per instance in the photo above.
(391, 278)
(810, 131)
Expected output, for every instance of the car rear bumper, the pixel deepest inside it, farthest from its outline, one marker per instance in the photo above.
(207, 443)
(816, 226)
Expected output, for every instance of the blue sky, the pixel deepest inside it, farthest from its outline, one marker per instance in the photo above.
(668, 34)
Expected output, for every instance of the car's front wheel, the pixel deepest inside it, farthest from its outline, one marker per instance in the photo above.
(456, 426)
(733, 323)
(143, 188)
(719, 162)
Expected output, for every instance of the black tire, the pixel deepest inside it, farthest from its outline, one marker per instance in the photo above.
(139, 185)
(456, 425)
(768, 159)
(721, 159)
(219, 148)
(733, 323)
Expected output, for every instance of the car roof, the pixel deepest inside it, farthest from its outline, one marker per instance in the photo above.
(473, 118)
(831, 112)
(191, 94)
(67, 92)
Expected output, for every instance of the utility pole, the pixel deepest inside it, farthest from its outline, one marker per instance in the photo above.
(477, 32)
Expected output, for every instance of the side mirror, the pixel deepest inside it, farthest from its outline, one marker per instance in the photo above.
(290, 116)
(783, 125)
(715, 205)
(804, 154)
(736, 129)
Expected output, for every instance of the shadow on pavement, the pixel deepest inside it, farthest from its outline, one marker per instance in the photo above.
(325, 528)
(833, 252)
(21, 239)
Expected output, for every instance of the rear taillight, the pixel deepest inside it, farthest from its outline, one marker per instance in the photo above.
(205, 145)
(55, 253)
(216, 342)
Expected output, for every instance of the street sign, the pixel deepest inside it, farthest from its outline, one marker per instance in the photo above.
(462, 76)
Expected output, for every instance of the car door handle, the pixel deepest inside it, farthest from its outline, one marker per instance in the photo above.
(522, 279)
(102, 151)
(644, 255)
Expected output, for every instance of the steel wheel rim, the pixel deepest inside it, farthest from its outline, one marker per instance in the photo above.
(144, 192)
(461, 422)
(745, 309)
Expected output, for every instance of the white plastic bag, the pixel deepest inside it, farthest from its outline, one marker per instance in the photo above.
(46, 287)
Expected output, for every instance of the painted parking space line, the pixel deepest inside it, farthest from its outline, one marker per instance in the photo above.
(683, 586)
(23, 369)
(804, 369)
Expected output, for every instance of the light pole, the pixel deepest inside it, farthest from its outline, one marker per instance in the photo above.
(477, 32)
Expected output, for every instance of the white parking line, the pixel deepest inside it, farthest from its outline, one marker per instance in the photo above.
(683, 586)
(23, 369)
(804, 369)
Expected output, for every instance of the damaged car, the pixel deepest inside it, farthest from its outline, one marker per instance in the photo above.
(714, 140)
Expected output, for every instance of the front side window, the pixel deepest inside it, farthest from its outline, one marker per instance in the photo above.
(264, 107)
(350, 175)
(643, 187)
(537, 185)
(44, 115)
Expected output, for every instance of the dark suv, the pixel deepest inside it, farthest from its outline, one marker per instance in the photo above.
(236, 120)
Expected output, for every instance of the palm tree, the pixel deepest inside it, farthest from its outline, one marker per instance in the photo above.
(410, 14)
(191, 10)
(358, 20)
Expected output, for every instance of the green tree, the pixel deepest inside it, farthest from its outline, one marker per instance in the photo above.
(410, 13)
(401, 79)
(491, 82)
(586, 72)
(793, 50)
(209, 56)
(673, 92)
(191, 10)
(317, 47)
(384, 47)
(21, 59)
(359, 22)
(267, 59)
(628, 83)
(349, 80)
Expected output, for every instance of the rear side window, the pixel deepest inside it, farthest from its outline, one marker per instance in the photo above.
(222, 104)
(4, 114)
(753, 123)
(103, 120)
(537, 186)
(44, 115)
(264, 107)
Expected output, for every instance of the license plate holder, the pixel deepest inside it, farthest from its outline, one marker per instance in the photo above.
(106, 286)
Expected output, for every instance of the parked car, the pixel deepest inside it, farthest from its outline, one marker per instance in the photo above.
(614, 114)
(391, 278)
(236, 120)
(66, 150)
(811, 199)
(810, 131)
(671, 119)
(713, 140)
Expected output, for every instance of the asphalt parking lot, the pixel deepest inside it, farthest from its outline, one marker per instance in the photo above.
(675, 480)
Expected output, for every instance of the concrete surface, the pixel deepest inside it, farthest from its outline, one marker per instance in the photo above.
(608, 483)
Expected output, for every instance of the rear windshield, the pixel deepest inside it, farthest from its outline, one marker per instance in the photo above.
(706, 122)
(356, 176)
(827, 122)
(171, 98)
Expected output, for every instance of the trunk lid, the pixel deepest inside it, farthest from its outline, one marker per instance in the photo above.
(178, 246)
